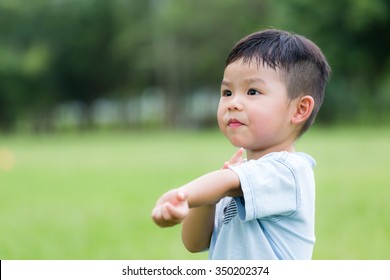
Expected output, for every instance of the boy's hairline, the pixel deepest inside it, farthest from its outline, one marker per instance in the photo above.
(283, 72)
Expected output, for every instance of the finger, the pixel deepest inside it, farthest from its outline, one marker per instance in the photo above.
(153, 212)
(159, 219)
(165, 212)
(237, 156)
(177, 213)
(181, 195)
(226, 165)
(156, 215)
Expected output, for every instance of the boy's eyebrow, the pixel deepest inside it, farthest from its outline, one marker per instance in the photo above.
(225, 83)
(254, 80)
(246, 80)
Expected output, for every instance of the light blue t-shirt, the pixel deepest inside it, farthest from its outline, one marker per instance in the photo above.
(275, 217)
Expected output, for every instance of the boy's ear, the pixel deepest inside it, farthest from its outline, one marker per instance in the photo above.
(304, 107)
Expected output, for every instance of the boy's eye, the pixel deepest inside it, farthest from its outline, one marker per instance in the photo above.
(253, 92)
(226, 93)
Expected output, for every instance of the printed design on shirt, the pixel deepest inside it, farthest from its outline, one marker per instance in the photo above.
(229, 212)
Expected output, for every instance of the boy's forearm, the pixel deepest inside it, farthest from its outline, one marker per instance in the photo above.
(210, 188)
(198, 227)
(202, 195)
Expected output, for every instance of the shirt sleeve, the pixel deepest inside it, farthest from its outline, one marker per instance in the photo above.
(269, 187)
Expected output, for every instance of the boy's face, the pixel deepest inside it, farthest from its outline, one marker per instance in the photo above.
(254, 111)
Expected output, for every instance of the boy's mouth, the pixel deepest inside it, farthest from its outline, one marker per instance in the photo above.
(233, 123)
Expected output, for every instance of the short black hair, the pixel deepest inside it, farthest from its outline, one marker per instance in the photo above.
(301, 62)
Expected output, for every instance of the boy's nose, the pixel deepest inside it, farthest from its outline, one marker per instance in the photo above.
(235, 104)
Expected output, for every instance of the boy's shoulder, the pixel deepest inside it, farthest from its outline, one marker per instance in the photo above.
(288, 157)
(276, 166)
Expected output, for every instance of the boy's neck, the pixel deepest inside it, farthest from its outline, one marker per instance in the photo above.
(256, 154)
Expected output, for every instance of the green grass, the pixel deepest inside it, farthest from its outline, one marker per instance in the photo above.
(89, 196)
(353, 192)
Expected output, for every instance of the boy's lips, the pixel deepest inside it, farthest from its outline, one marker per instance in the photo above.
(233, 123)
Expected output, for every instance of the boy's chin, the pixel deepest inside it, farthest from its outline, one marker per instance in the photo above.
(237, 142)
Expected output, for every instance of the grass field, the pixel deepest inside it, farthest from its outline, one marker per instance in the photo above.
(89, 196)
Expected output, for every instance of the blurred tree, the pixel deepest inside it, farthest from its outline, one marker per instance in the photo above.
(24, 62)
(83, 50)
(191, 40)
(85, 69)
(57, 51)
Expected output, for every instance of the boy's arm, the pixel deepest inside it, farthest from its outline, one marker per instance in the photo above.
(200, 195)
(210, 188)
(198, 226)
(173, 206)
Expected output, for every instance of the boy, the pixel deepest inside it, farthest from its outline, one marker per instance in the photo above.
(261, 208)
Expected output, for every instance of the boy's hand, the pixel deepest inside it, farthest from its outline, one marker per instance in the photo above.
(171, 208)
(236, 159)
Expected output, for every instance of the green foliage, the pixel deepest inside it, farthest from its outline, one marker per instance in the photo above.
(89, 196)
(53, 52)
